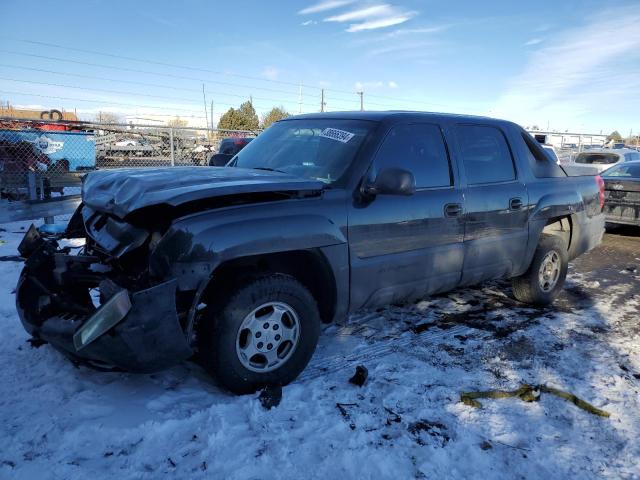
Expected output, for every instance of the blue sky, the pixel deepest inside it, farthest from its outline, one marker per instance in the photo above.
(571, 65)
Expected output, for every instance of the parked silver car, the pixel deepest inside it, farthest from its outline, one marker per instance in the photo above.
(598, 160)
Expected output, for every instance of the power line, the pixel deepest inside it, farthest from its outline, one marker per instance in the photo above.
(111, 67)
(123, 92)
(201, 69)
(110, 103)
(101, 102)
(167, 64)
(152, 62)
(146, 84)
(185, 67)
(189, 67)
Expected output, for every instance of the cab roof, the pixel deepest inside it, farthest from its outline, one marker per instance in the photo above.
(393, 115)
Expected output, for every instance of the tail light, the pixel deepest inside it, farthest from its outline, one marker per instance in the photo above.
(600, 183)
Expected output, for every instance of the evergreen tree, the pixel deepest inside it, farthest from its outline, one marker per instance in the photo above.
(275, 114)
(615, 136)
(243, 118)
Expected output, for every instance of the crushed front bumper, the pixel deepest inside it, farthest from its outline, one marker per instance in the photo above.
(135, 331)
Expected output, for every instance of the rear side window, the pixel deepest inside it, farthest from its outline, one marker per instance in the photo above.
(631, 156)
(418, 148)
(628, 171)
(540, 161)
(485, 154)
(597, 158)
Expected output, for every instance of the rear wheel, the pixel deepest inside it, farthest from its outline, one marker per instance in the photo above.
(540, 284)
(265, 334)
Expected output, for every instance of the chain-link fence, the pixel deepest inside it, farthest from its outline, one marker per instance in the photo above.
(44, 159)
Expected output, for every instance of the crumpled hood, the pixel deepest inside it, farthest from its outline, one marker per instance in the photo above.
(123, 191)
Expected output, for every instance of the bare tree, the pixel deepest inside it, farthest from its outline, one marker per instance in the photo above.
(109, 117)
(177, 122)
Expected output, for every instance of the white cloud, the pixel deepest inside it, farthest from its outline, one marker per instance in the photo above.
(362, 13)
(381, 22)
(308, 22)
(360, 86)
(370, 16)
(417, 31)
(578, 70)
(419, 49)
(324, 6)
(373, 85)
(29, 106)
(270, 73)
(533, 41)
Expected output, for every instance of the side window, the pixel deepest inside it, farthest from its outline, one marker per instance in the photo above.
(418, 148)
(541, 163)
(485, 154)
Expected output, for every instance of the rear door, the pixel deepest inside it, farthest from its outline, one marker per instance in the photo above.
(406, 247)
(496, 203)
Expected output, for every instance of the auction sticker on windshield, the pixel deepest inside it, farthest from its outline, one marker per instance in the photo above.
(335, 134)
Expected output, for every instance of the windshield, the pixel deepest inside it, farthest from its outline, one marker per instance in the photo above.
(598, 158)
(320, 149)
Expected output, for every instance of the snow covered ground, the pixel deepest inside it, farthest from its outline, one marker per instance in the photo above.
(62, 422)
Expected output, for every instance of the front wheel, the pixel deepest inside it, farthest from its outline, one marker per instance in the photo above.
(540, 284)
(265, 334)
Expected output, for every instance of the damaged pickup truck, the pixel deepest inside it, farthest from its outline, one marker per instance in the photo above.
(319, 216)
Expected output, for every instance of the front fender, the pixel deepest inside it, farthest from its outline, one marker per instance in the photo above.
(193, 247)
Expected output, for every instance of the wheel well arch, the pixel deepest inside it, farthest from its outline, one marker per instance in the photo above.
(562, 226)
(310, 267)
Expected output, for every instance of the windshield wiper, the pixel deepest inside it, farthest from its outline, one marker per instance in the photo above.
(269, 169)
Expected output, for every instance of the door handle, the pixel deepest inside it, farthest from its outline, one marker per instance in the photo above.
(515, 204)
(452, 209)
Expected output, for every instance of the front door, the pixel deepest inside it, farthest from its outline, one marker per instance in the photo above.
(405, 247)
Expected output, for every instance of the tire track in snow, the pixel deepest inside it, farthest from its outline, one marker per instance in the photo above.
(323, 365)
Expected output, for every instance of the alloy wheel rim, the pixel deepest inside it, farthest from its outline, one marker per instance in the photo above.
(549, 271)
(268, 337)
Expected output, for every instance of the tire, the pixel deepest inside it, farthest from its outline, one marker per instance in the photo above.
(228, 331)
(530, 287)
(58, 113)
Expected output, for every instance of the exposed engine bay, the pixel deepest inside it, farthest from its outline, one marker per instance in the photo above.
(96, 301)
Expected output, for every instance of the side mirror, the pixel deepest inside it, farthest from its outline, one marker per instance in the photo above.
(392, 181)
(219, 159)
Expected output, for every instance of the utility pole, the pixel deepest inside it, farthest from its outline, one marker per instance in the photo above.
(300, 99)
(361, 93)
(206, 114)
(322, 102)
(211, 113)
